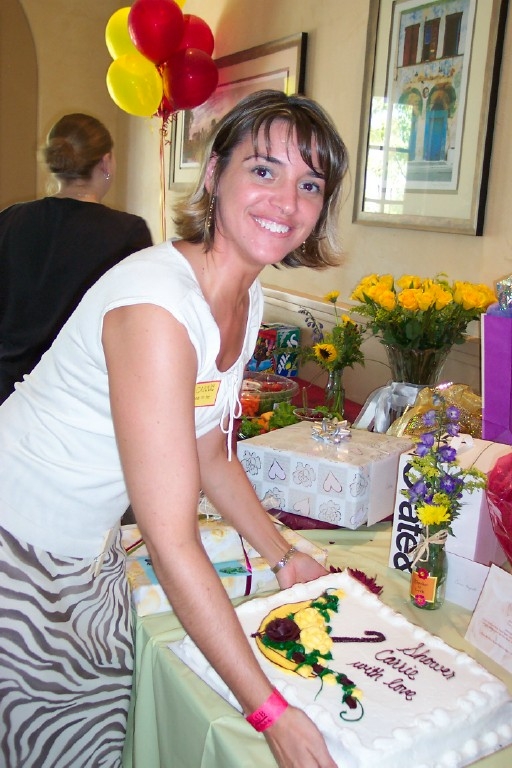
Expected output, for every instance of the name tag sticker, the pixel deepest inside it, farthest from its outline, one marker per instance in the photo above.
(206, 392)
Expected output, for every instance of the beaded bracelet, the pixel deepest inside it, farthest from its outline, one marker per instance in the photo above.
(284, 560)
(270, 711)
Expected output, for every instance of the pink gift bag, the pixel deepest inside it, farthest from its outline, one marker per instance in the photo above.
(497, 379)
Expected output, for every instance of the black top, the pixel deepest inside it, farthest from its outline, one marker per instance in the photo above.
(51, 252)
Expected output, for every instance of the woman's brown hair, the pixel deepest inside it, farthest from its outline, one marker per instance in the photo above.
(75, 144)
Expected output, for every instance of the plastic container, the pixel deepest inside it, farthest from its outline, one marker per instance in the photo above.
(262, 391)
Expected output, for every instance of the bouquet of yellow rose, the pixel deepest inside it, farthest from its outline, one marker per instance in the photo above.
(420, 313)
(337, 349)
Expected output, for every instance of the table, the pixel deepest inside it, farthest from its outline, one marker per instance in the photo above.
(177, 721)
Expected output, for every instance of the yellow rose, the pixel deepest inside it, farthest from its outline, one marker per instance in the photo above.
(426, 299)
(488, 296)
(369, 280)
(384, 297)
(358, 294)
(365, 287)
(442, 297)
(409, 281)
(361, 289)
(408, 299)
(386, 281)
(315, 638)
(466, 295)
(473, 296)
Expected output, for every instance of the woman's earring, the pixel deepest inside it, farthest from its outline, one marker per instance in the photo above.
(303, 247)
(211, 214)
(107, 176)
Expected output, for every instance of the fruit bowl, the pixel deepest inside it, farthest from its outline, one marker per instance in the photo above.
(261, 391)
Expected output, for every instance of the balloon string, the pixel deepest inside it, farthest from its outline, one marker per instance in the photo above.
(163, 132)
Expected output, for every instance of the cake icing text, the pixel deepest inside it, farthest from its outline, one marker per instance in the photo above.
(421, 654)
(390, 658)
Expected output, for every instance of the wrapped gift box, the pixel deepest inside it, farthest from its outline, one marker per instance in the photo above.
(474, 538)
(220, 540)
(241, 569)
(274, 336)
(238, 577)
(349, 485)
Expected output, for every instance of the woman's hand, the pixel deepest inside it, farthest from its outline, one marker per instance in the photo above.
(300, 568)
(296, 742)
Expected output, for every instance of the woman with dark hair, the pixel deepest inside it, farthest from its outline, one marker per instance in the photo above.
(135, 402)
(52, 250)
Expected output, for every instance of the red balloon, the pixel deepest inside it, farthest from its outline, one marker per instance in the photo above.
(156, 28)
(197, 34)
(190, 77)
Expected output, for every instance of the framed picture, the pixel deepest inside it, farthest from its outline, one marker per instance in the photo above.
(429, 101)
(280, 65)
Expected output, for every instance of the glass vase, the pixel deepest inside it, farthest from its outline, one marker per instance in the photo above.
(416, 366)
(334, 397)
(428, 577)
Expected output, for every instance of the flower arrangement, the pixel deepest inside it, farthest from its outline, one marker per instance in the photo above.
(338, 349)
(416, 313)
(436, 482)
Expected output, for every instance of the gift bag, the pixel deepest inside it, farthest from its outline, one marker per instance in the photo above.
(499, 497)
(497, 378)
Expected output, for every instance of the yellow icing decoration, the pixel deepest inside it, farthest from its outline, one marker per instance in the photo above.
(308, 617)
(314, 638)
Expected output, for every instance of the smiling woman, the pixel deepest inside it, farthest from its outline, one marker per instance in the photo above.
(306, 126)
(268, 200)
(136, 403)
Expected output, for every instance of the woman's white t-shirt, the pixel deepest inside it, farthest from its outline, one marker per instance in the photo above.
(61, 482)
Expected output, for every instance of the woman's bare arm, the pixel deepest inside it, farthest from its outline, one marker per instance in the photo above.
(152, 372)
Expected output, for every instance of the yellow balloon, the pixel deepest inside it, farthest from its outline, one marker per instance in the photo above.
(181, 3)
(135, 84)
(117, 35)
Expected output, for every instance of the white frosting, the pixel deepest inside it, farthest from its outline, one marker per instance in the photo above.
(443, 715)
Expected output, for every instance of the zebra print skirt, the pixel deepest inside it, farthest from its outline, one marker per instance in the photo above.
(66, 658)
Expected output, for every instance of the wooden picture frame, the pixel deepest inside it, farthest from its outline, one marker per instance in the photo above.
(427, 119)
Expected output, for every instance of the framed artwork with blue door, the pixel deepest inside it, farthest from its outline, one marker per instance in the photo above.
(429, 101)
